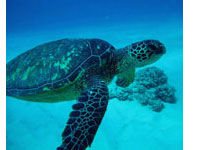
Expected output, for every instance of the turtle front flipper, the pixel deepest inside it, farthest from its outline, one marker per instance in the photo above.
(125, 78)
(86, 117)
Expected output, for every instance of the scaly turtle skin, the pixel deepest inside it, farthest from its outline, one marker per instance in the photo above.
(79, 69)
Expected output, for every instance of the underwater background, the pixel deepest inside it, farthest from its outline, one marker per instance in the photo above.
(126, 124)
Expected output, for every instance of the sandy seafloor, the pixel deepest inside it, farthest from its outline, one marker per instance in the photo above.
(126, 125)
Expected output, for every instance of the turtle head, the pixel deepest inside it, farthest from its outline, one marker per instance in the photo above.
(139, 54)
(146, 52)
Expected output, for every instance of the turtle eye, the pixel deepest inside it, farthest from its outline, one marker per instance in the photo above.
(152, 47)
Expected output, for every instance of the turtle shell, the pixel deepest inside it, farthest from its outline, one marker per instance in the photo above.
(54, 65)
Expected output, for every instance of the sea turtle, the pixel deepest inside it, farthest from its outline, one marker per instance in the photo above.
(79, 69)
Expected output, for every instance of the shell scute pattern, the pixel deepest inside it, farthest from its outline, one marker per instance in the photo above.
(53, 65)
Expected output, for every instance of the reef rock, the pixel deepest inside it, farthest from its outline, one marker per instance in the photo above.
(150, 88)
(166, 93)
(150, 77)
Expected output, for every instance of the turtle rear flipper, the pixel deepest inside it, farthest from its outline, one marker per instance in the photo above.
(86, 117)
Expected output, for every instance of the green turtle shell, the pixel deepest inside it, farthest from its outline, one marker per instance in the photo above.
(54, 65)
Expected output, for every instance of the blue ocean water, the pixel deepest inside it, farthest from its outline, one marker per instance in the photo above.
(126, 125)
